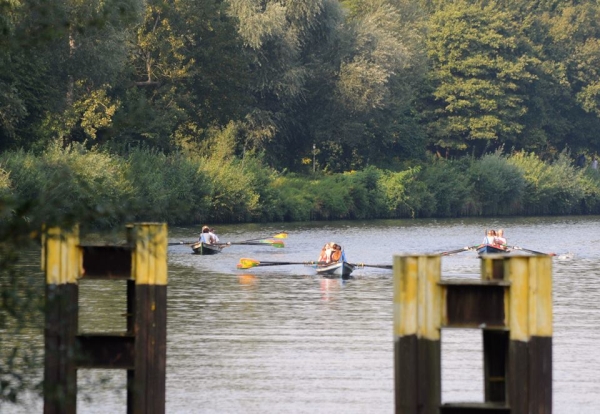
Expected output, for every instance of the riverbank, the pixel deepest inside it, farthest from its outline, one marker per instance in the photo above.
(104, 190)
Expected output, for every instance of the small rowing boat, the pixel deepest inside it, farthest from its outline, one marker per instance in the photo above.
(339, 269)
(492, 248)
(206, 249)
(332, 261)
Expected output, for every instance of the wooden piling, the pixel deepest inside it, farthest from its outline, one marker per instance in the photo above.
(530, 324)
(149, 267)
(141, 349)
(417, 323)
(61, 263)
(511, 304)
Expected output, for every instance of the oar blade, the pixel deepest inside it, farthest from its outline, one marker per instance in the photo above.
(282, 235)
(246, 263)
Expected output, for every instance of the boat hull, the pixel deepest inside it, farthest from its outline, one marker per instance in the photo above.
(339, 269)
(488, 248)
(206, 249)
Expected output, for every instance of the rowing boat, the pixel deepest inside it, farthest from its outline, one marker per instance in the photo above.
(491, 248)
(339, 269)
(206, 249)
(332, 261)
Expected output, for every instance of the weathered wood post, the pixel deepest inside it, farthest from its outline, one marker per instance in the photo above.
(141, 349)
(61, 263)
(417, 323)
(146, 382)
(530, 324)
(511, 304)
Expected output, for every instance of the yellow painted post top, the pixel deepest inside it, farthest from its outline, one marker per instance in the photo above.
(62, 260)
(417, 296)
(491, 263)
(149, 257)
(530, 297)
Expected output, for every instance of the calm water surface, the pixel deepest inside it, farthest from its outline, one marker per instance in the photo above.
(282, 340)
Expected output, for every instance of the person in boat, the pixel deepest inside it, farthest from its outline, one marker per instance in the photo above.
(500, 239)
(331, 253)
(325, 256)
(213, 236)
(205, 235)
(341, 255)
(490, 237)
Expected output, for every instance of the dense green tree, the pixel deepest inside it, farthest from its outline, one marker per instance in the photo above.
(573, 44)
(373, 114)
(58, 62)
(187, 72)
(478, 71)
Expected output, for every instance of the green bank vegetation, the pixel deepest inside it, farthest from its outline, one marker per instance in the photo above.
(106, 190)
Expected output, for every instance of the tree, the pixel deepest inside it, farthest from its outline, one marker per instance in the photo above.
(479, 68)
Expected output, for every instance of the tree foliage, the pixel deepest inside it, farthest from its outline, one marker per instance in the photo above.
(366, 82)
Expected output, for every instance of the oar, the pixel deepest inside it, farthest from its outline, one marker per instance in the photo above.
(274, 243)
(258, 242)
(282, 235)
(464, 249)
(371, 265)
(182, 242)
(246, 263)
(533, 251)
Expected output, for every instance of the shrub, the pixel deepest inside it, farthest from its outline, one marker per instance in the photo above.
(73, 183)
(448, 187)
(497, 185)
(552, 188)
(394, 187)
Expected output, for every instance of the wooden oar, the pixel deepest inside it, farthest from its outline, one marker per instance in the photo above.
(464, 249)
(274, 243)
(371, 265)
(182, 242)
(258, 242)
(533, 251)
(282, 235)
(246, 263)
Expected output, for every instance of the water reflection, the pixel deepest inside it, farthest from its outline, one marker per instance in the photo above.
(248, 280)
(328, 287)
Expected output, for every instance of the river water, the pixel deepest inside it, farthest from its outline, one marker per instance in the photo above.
(279, 339)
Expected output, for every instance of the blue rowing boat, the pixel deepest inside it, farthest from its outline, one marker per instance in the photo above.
(491, 248)
(339, 269)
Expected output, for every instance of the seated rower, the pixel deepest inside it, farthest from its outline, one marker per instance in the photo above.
(214, 239)
(500, 239)
(489, 237)
(331, 253)
(205, 235)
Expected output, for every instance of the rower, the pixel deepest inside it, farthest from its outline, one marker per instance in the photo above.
(500, 239)
(205, 235)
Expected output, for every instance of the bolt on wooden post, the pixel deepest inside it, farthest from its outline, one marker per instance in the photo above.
(511, 304)
(141, 349)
